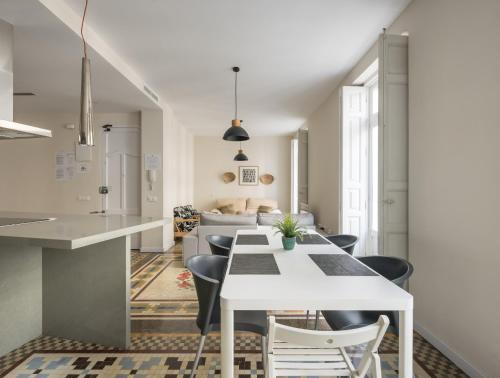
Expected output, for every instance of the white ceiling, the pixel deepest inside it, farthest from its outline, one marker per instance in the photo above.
(47, 62)
(292, 54)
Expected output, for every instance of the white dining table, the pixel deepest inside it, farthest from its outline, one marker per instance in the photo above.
(302, 285)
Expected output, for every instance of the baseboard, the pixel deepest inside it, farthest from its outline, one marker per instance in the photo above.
(169, 245)
(448, 352)
(151, 249)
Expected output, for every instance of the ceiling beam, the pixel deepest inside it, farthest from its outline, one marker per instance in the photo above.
(73, 21)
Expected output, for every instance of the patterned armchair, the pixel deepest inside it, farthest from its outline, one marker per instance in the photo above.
(185, 219)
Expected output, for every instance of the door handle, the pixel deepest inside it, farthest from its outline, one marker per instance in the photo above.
(389, 201)
(104, 189)
(98, 212)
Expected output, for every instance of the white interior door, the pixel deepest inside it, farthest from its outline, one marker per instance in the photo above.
(393, 145)
(354, 210)
(122, 173)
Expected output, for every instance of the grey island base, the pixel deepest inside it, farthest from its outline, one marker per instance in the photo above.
(68, 277)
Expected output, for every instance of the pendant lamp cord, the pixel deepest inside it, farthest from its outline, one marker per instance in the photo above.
(236, 95)
(81, 29)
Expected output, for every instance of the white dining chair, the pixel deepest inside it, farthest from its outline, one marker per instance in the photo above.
(302, 352)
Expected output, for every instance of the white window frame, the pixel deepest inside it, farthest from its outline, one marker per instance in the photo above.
(372, 82)
(294, 198)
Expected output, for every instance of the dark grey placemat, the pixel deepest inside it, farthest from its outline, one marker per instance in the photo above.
(254, 263)
(252, 239)
(341, 265)
(312, 239)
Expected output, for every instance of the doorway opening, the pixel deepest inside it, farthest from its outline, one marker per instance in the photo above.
(360, 159)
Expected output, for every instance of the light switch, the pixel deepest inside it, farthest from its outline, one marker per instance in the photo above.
(83, 198)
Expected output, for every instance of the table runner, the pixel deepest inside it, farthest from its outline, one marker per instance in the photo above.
(252, 239)
(341, 265)
(313, 239)
(254, 263)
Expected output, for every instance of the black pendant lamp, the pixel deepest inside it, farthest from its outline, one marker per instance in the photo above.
(236, 133)
(240, 156)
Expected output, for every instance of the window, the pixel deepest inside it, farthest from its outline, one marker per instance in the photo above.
(373, 167)
(295, 177)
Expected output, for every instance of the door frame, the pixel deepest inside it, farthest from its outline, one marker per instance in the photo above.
(369, 84)
(102, 153)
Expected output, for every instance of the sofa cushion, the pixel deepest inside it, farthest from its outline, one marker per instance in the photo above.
(239, 204)
(304, 220)
(227, 219)
(253, 204)
(264, 209)
(227, 209)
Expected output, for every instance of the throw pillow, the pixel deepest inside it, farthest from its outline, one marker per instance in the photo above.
(265, 209)
(228, 209)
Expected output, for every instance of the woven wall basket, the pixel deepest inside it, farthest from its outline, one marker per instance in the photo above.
(228, 177)
(267, 179)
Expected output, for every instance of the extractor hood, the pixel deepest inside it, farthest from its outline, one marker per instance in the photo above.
(9, 129)
(14, 130)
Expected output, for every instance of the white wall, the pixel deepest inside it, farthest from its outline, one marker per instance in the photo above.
(163, 135)
(214, 156)
(178, 169)
(152, 143)
(454, 60)
(324, 151)
(27, 166)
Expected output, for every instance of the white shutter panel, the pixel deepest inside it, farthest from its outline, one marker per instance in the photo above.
(393, 145)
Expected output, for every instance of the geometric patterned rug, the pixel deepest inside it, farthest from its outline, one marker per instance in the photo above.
(165, 338)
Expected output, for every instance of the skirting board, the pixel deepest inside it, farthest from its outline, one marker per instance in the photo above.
(158, 249)
(452, 355)
(152, 249)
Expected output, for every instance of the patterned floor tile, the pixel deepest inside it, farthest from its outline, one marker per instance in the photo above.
(139, 259)
(166, 339)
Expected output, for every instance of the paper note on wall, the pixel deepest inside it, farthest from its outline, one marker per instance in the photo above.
(65, 166)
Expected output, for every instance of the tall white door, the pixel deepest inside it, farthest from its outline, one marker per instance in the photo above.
(122, 173)
(354, 210)
(393, 145)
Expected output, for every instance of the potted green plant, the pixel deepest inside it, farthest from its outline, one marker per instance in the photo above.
(290, 230)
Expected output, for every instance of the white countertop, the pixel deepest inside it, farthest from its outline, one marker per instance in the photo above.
(75, 231)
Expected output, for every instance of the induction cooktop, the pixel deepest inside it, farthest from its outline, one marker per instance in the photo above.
(16, 221)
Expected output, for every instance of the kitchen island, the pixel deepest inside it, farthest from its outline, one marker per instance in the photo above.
(67, 276)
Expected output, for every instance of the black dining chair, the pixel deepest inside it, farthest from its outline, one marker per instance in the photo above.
(395, 269)
(208, 273)
(346, 242)
(219, 244)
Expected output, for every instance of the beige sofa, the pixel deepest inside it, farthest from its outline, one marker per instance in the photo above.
(194, 243)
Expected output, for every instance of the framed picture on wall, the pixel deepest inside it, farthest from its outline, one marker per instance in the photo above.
(249, 175)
